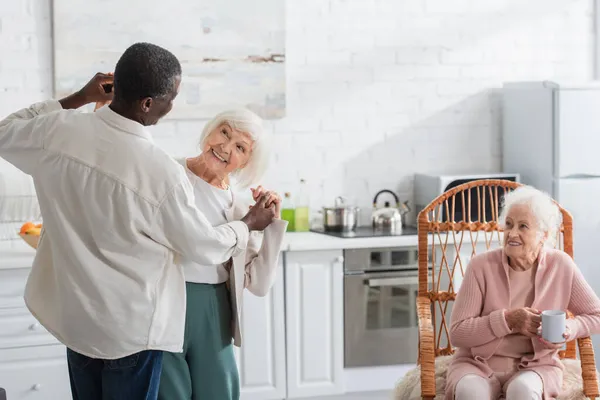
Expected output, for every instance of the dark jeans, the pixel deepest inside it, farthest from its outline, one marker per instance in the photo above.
(135, 377)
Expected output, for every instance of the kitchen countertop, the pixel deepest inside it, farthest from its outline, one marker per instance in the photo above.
(293, 241)
(22, 257)
(306, 241)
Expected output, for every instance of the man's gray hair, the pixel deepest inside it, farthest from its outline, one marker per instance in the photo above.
(246, 121)
(545, 210)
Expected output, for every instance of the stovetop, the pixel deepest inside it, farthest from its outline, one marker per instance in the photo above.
(366, 232)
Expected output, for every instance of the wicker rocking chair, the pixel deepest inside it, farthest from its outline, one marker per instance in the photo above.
(452, 228)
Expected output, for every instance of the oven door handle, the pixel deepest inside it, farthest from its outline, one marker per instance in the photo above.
(398, 281)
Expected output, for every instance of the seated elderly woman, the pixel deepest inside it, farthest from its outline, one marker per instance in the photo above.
(233, 145)
(496, 322)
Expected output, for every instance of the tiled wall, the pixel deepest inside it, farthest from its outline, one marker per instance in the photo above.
(377, 89)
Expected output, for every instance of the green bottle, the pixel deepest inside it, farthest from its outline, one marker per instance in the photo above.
(288, 213)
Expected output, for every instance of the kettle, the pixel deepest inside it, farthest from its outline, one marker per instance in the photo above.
(389, 219)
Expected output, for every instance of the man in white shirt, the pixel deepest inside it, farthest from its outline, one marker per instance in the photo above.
(118, 212)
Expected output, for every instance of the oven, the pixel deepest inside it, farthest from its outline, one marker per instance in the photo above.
(380, 312)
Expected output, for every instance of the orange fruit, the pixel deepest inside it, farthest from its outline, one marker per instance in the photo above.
(38, 226)
(26, 226)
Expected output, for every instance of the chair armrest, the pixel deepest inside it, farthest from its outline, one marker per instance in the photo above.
(426, 347)
(588, 368)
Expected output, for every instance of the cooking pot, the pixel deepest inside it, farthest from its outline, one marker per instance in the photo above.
(389, 219)
(340, 218)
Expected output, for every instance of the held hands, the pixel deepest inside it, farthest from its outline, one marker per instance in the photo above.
(526, 321)
(273, 199)
(263, 212)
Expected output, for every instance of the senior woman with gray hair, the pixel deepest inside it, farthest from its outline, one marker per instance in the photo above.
(234, 146)
(496, 322)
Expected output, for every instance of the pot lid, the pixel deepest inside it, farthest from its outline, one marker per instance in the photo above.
(340, 204)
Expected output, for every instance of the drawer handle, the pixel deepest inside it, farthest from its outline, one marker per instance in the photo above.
(34, 327)
(37, 387)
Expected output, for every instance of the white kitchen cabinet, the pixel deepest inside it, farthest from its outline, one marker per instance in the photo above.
(35, 373)
(261, 359)
(33, 364)
(314, 312)
(21, 329)
(12, 286)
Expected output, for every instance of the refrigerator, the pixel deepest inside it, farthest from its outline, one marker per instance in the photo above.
(551, 137)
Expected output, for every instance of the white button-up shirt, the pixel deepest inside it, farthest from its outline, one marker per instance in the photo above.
(117, 211)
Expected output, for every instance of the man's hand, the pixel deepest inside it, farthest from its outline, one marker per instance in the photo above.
(93, 92)
(260, 216)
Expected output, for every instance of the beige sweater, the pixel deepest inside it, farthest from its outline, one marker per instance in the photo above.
(515, 345)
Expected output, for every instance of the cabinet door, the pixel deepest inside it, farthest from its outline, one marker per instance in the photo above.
(261, 359)
(314, 323)
(35, 373)
(578, 133)
(12, 287)
(18, 328)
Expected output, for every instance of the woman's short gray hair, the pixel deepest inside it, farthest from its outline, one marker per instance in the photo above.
(246, 121)
(545, 210)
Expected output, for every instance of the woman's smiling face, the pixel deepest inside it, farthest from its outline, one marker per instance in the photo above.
(227, 149)
(522, 237)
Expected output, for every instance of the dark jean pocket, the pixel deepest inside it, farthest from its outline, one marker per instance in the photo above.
(78, 360)
(123, 363)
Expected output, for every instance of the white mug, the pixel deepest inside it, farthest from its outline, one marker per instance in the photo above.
(554, 325)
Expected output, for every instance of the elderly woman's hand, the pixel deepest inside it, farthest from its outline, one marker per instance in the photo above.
(554, 346)
(273, 200)
(525, 321)
(257, 192)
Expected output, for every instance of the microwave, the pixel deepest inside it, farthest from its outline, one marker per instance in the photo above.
(429, 186)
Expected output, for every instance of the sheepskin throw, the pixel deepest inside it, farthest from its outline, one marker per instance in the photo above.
(409, 387)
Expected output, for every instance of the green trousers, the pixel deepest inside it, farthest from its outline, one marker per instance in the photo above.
(206, 370)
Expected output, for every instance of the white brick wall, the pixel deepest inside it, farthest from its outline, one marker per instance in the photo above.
(377, 89)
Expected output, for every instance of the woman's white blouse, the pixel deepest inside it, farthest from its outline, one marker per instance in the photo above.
(213, 202)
